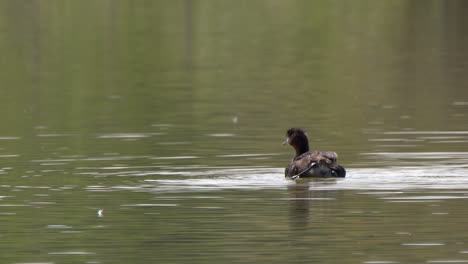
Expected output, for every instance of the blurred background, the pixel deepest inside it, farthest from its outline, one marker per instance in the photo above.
(103, 101)
(342, 70)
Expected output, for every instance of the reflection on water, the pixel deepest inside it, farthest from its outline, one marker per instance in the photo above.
(150, 131)
(229, 206)
(375, 215)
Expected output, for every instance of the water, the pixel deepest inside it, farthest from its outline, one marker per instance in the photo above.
(150, 131)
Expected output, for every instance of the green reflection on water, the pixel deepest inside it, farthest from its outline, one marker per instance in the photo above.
(85, 84)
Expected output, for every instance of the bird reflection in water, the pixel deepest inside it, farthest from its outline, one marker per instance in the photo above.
(308, 204)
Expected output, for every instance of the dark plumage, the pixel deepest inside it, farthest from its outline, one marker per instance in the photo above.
(310, 163)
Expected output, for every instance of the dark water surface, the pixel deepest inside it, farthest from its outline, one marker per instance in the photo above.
(150, 131)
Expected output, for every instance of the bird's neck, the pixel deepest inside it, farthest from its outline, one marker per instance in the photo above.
(301, 148)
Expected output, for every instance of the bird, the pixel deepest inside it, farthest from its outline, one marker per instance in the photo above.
(306, 163)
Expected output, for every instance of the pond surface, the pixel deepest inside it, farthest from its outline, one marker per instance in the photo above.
(150, 131)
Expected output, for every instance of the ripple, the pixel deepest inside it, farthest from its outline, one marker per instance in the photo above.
(175, 143)
(72, 253)
(241, 178)
(382, 181)
(54, 160)
(425, 132)
(34, 263)
(113, 158)
(147, 205)
(246, 155)
(58, 226)
(221, 135)
(449, 261)
(54, 135)
(380, 262)
(460, 103)
(9, 156)
(162, 125)
(177, 157)
(423, 244)
(448, 141)
(435, 197)
(98, 188)
(129, 135)
(209, 207)
(53, 164)
(419, 155)
(311, 199)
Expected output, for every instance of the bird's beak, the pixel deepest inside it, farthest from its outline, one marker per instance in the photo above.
(286, 141)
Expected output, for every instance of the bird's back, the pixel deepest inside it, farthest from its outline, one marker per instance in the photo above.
(315, 164)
